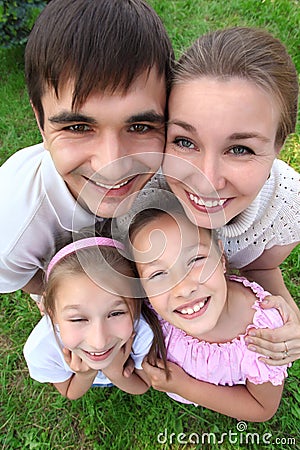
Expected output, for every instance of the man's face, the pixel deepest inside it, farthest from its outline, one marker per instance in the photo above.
(108, 149)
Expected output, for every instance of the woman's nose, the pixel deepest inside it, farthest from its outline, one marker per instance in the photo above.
(210, 175)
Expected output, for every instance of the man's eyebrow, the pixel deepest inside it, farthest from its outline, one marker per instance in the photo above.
(146, 116)
(70, 117)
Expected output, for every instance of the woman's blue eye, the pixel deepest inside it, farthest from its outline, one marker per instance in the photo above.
(240, 150)
(184, 143)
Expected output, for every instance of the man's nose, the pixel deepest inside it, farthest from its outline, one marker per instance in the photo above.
(109, 158)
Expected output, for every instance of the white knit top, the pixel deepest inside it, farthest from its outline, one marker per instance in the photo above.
(272, 219)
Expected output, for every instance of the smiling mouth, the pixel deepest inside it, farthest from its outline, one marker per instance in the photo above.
(114, 186)
(98, 353)
(109, 187)
(98, 356)
(195, 308)
(212, 203)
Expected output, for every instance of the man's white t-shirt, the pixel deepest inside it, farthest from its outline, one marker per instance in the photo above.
(38, 214)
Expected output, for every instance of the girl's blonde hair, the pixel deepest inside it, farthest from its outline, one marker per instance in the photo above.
(249, 53)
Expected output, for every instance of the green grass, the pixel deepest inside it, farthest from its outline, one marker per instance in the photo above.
(35, 416)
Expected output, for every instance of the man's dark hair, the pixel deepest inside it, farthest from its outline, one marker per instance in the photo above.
(100, 45)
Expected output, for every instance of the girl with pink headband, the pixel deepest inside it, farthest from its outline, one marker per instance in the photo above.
(93, 321)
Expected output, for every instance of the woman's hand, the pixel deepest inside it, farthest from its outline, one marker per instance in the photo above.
(281, 345)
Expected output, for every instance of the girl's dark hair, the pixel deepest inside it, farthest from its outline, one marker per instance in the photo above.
(100, 45)
(158, 348)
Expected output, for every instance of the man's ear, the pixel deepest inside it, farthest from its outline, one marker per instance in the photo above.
(38, 121)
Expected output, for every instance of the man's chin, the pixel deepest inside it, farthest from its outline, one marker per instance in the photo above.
(115, 209)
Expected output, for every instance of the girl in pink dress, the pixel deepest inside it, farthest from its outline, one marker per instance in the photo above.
(205, 317)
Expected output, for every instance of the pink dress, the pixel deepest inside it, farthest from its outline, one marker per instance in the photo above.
(227, 363)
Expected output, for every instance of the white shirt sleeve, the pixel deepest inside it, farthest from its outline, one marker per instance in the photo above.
(44, 356)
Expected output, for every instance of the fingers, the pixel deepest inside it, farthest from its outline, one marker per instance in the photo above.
(74, 361)
(278, 335)
(274, 301)
(156, 375)
(128, 368)
(286, 311)
(150, 369)
(126, 348)
(280, 362)
(289, 332)
(67, 355)
(275, 345)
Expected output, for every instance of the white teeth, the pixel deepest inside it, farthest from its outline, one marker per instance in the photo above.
(115, 186)
(196, 308)
(97, 353)
(208, 203)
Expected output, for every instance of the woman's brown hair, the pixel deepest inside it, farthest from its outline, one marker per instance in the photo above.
(249, 53)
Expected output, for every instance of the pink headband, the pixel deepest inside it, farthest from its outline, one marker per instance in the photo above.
(82, 243)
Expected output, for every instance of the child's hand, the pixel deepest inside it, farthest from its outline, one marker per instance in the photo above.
(128, 368)
(281, 345)
(76, 364)
(116, 367)
(158, 378)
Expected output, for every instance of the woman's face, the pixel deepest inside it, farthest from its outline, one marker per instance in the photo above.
(220, 146)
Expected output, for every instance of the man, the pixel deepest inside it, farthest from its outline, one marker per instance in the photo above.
(96, 74)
